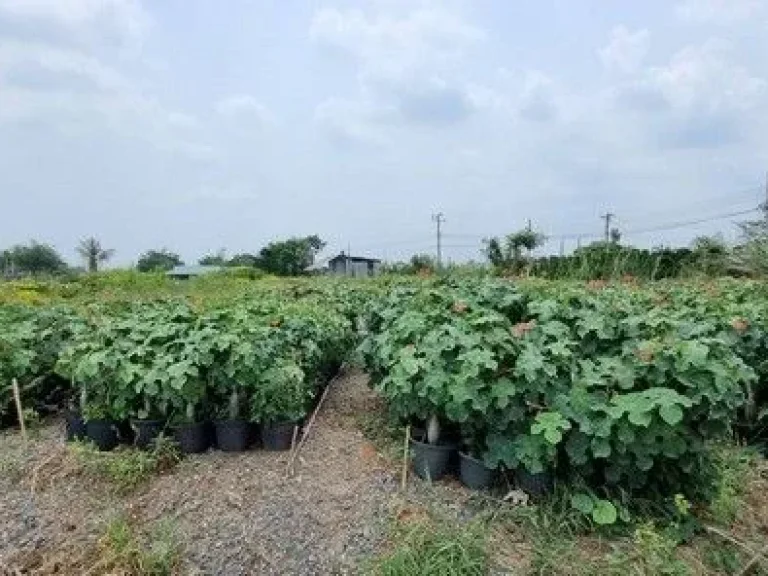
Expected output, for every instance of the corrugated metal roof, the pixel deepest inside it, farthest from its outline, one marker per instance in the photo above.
(353, 258)
(194, 270)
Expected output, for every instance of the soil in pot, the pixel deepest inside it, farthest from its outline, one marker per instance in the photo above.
(145, 432)
(103, 433)
(277, 435)
(536, 485)
(430, 461)
(193, 438)
(233, 435)
(474, 473)
(75, 426)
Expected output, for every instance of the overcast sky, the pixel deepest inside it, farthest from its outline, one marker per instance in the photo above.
(197, 125)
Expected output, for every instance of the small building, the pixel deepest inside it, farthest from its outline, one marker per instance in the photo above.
(187, 272)
(354, 266)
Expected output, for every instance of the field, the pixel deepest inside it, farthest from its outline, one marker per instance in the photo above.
(604, 428)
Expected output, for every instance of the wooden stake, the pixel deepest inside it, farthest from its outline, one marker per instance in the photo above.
(19, 409)
(292, 469)
(312, 418)
(404, 478)
(757, 558)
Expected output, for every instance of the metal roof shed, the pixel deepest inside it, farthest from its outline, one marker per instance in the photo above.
(186, 272)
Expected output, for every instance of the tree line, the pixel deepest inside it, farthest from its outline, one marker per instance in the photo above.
(512, 254)
(706, 256)
(284, 258)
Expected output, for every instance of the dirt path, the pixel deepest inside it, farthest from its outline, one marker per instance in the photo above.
(233, 513)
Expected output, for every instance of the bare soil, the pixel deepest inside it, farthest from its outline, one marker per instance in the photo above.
(233, 513)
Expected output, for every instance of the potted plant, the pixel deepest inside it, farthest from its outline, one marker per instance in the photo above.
(279, 402)
(85, 364)
(100, 427)
(432, 452)
(73, 416)
(190, 428)
(474, 473)
(233, 432)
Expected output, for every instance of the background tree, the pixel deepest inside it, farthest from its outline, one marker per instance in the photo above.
(710, 255)
(158, 260)
(615, 235)
(93, 253)
(290, 257)
(514, 252)
(751, 255)
(421, 263)
(218, 259)
(33, 258)
(245, 260)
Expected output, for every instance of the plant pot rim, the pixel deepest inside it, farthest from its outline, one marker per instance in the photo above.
(439, 446)
(281, 422)
(468, 456)
(189, 424)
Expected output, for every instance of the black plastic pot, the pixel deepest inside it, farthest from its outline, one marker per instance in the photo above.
(277, 435)
(125, 432)
(103, 433)
(146, 431)
(430, 461)
(535, 485)
(193, 438)
(474, 473)
(75, 426)
(233, 435)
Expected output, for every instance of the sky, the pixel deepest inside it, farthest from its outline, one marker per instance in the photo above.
(197, 125)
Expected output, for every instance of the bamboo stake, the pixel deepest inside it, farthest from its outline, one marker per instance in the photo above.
(19, 409)
(404, 478)
(292, 469)
(312, 418)
(759, 557)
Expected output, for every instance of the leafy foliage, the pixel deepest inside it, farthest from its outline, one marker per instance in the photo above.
(155, 260)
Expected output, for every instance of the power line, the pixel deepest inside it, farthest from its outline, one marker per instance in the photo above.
(684, 223)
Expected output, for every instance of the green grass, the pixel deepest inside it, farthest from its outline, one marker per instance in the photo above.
(125, 550)
(732, 469)
(434, 548)
(383, 433)
(127, 469)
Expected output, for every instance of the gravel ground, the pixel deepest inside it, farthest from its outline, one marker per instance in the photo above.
(233, 513)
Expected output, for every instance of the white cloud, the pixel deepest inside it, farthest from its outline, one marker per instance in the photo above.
(537, 99)
(126, 20)
(349, 122)
(408, 62)
(626, 50)
(718, 11)
(244, 105)
(700, 98)
(705, 77)
(54, 68)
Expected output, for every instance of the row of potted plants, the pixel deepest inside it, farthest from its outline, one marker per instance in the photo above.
(591, 387)
(166, 366)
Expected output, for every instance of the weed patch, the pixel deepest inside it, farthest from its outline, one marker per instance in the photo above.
(430, 547)
(128, 468)
(126, 550)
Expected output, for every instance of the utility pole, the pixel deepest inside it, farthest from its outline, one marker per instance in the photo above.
(528, 225)
(608, 216)
(438, 219)
(562, 246)
(765, 206)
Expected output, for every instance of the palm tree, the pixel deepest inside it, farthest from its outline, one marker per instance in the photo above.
(93, 254)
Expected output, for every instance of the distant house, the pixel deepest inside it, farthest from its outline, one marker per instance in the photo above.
(187, 272)
(355, 266)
